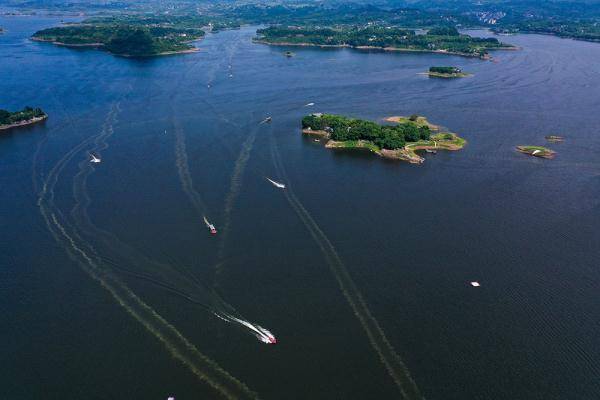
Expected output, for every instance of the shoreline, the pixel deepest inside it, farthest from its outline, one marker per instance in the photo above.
(193, 49)
(390, 49)
(407, 153)
(536, 151)
(445, 76)
(26, 122)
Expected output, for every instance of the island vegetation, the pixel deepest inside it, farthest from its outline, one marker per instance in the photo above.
(537, 151)
(446, 72)
(140, 37)
(440, 40)
(398, 141)
(26, 116)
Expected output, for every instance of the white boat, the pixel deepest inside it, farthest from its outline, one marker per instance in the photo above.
(309, 105)
(211, 227)
(535, 152)
(94, 159)
(475, 284)
(266, 120)
(276, 184)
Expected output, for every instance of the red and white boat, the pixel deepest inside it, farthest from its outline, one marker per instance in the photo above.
(211, 227)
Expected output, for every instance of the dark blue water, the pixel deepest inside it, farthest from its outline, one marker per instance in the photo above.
(109, 280)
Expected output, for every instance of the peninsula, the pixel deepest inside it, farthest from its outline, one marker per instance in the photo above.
(399, 141)
(129, 38)
(446, 72)
(27, 116)
(537, 151)
(445, 40)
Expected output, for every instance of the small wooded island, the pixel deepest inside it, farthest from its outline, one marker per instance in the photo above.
(399, 141)
(125, 37)
(445, 40)
(27, 116)
(537, 151)
(446, 72)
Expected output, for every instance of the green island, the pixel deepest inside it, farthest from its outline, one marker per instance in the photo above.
(130, 37)
(400, 141)
(565, 28)
(26, 116)
(445, 40)
(536, 151)
(446, 72)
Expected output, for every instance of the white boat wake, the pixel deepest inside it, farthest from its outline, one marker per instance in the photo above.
(276, 184)
(262, 334)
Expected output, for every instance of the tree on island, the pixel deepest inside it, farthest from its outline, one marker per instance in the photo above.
(7, 117)
(347, 129)
(445, 70)
(134, 42)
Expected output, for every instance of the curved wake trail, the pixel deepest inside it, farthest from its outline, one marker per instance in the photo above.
(177, 279)
(176, 344)
(390, 359)
(183, 169)
(234, 190)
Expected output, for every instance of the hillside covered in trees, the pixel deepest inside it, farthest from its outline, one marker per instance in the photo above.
(24, 117)
(391, 137)
(399, 141)
(440, 39)
(128, 37)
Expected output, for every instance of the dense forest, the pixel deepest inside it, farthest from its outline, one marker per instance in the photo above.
(437, 39)
(391, 137)
(133, 37)
(383, 23)
(28, 113)
(581, 30)
(445, 70)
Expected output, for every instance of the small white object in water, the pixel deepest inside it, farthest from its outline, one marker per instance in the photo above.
(171, 398)
(475, 284)
(309, 105)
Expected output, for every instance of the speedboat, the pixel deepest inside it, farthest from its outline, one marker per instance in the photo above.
(276, 184)
(211, 227)
(94, 159)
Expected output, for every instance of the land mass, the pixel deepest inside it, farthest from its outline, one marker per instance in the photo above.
(130, 38)
(445, 40)
(446, 72)
(400, 141)
(537, 151)
(27, 116)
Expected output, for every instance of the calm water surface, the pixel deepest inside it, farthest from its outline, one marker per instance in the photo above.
(110, 283)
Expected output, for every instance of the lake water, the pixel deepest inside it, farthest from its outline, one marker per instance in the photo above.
(112, 287)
